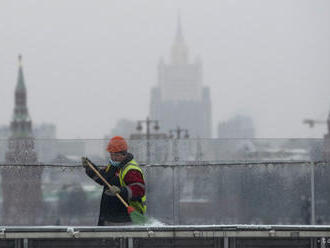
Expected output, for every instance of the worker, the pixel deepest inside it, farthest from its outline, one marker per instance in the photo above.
(125, 177)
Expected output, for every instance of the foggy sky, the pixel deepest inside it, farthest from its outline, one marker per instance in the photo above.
(89, 63)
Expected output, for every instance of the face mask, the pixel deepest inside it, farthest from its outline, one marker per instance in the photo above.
(114, 163)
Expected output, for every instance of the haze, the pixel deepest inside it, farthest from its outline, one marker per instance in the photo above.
(88, 64)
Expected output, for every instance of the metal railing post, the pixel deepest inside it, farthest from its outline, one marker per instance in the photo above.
(312, 221)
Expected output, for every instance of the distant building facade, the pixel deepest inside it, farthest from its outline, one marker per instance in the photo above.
(4, 132)
(154, 148)
(4, 135)
(45, 135)
(234, 139)
(44, 131)
(180, 99)
(238, 127)
(326, 141)
(44, 143)
(21, 189)
(124, 128)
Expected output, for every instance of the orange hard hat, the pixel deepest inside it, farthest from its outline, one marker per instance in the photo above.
(117, 144)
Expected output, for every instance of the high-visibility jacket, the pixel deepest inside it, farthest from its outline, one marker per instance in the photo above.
(138, 204)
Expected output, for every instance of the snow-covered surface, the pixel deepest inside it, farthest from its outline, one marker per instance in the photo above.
(160, 225)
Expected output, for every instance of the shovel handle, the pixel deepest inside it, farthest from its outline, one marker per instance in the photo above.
(106, 182)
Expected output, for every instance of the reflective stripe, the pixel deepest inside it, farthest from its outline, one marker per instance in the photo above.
(129, 192)
(128, 187)
(138, 184)
(139, 205)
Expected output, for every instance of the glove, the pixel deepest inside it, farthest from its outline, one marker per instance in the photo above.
(113, 190)
(84, 162)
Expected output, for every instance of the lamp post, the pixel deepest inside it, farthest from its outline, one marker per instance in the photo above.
(176, 175)
(178, 132)
(199, 152)
(148, 122)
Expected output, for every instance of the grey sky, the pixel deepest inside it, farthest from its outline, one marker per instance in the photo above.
(89, 63)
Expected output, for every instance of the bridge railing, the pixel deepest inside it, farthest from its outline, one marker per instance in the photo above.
(287, 193)
(215, 236)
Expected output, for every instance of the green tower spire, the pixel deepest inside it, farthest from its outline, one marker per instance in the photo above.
(26, 183)
(21, 125)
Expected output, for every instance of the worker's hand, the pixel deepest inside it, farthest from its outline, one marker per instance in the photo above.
(84, 162)
(113, 190)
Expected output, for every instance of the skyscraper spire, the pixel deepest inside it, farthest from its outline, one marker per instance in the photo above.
(179, 49)
(20, 79)
(180, 95)
(179, 34)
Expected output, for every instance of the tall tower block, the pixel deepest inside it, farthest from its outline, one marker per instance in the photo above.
(180, 99)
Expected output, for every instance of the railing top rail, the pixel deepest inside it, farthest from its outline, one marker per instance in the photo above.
(183, 163)
(163, 227)
(165, 231)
